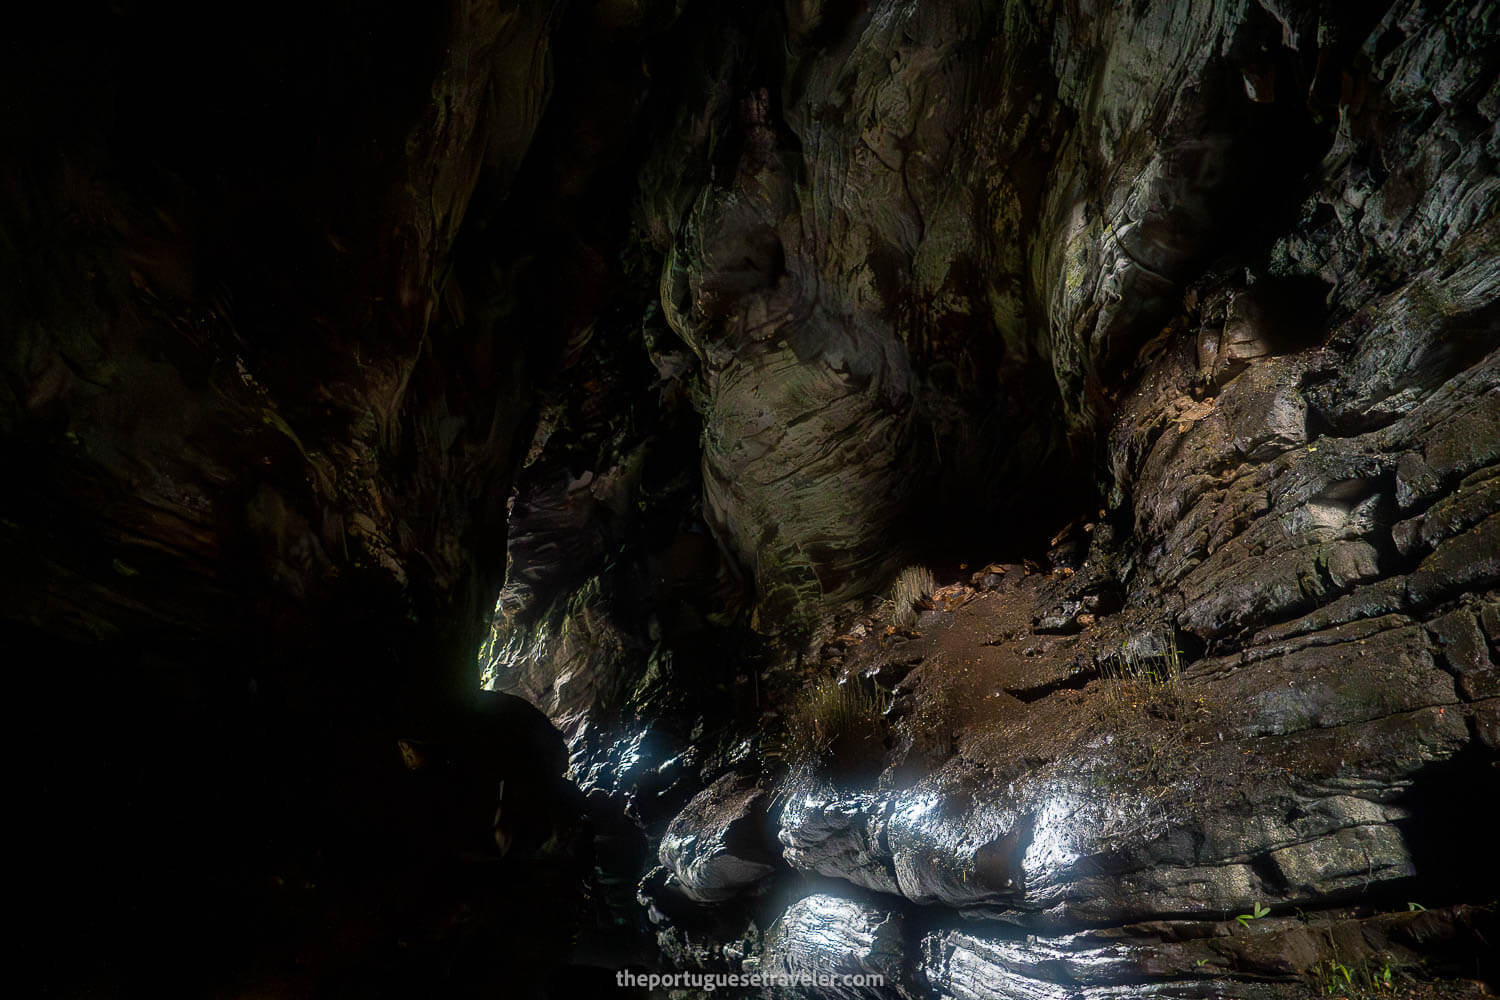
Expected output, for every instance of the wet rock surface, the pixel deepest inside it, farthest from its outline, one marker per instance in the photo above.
(825, 936)
(1165, 332)
(718, 846)
(1300, 447)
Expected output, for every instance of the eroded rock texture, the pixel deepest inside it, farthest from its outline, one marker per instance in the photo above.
(682, 327)
(266, 377)
(1239, 258)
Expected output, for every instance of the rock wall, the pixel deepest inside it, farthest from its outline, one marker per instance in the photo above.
(682, 327)
(1253, 260)
(269, 364)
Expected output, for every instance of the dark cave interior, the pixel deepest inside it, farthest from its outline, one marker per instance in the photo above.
(1002, 496)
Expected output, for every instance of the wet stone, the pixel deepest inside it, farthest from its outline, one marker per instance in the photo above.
(721, 844)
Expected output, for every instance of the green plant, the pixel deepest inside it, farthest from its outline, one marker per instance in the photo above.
(1415, 907)
(834, 724)
(1148, 669)
(1255, 913)
(1361, 980)
(912, 588)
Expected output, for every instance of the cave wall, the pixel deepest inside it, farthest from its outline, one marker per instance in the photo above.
(269, 365)
(681, 327)
(1227, 270)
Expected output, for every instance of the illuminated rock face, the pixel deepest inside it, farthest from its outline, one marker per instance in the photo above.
(683, 327)
(1299, 456)
(716, 846)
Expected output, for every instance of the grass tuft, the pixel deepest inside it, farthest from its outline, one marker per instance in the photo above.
(913, 589)
(1148, 670)
(834, 725)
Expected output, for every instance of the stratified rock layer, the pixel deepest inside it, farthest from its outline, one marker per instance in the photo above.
(717, 845)
(788, 294)
(1264, 247)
